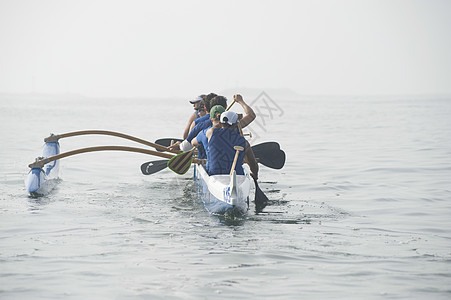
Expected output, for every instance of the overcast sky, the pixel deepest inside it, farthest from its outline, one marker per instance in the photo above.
(183, 48)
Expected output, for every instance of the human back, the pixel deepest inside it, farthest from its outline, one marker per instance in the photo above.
(221, 142)
(221, 151)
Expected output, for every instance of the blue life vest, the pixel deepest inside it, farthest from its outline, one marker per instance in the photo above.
(196, 130)
(221, 152)
(202, 149)
(201, 119)
(206, 123)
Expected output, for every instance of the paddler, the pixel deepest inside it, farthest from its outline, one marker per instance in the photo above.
(206, 99)
(206, 123)
(202, 123)
(219, 141)
(199, 111)
(201, 141)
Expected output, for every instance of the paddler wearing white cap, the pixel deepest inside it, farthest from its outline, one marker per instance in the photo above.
(199, 111)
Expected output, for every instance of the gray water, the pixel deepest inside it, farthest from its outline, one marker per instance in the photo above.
(362, 208)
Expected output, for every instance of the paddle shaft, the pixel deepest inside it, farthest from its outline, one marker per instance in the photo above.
(239, 125)
(260, 198)
(231, 104)
(272, 151)
(235, 159)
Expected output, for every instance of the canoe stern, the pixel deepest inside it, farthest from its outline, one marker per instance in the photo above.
(222, 193)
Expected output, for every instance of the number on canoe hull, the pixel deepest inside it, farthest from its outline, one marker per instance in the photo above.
(227, 196)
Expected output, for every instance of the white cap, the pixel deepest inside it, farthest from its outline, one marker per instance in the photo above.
(197, 99)
(229, 117)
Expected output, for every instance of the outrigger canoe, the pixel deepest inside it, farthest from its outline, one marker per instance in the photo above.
(221, 194)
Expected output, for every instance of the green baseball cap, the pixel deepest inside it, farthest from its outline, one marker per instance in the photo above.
(217, 109)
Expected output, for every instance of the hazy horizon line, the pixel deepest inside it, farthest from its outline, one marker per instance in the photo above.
(245, 91)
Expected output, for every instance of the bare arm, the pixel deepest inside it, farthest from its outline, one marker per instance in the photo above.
(188, 126)
(194, 142)
(251, 161)
(250, 114)
(193, 124)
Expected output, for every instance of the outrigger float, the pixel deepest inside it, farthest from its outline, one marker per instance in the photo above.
(221, 194)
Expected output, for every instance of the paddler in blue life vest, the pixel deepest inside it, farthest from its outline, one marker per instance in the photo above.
(205, 104)
(199, 111)
(206, 122)
(199, 125)
(219, 141)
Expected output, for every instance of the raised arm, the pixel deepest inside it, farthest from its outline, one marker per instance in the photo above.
(249, 112)
(188, 126)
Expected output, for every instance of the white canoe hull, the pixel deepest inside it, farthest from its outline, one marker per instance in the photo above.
(223, 193)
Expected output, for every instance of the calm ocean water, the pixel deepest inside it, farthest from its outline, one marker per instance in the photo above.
(362, 208)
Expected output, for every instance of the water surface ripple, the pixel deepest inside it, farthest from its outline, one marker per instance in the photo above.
(361, 209)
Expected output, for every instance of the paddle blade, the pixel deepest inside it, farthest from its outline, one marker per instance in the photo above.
(181, 163)
(275, 161)
(154, 166)
(166, 142)
(260, 198)
(270, 155)
(265, 147)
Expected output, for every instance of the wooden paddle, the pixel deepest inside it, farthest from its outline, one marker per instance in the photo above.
(166, 142)
(181, 163)
(154, 166)
(238, 149)
(231, 104)
(268, 154)
(260, 198)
